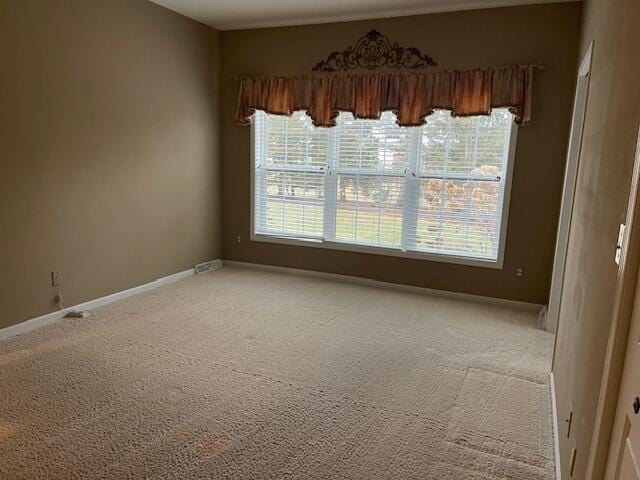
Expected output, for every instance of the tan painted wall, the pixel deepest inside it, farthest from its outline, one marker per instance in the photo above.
(109, 163)
(610, 132)
(504, 36)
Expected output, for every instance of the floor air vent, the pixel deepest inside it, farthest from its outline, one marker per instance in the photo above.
(206, 267)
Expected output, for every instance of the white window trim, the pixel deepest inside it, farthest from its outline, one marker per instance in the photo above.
(455, 258)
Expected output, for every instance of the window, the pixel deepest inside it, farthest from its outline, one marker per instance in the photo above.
(437, 191)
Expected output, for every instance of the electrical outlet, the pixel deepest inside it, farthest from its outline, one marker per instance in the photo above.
(238, 239)
(56, 279)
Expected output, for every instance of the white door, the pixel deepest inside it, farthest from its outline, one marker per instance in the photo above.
(570, 176)
(624, 451)
(623, 461)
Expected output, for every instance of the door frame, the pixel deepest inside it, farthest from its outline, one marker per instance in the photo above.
(618, 333)
(568, 191)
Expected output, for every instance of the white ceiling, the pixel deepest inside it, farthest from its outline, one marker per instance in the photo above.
(239, 14)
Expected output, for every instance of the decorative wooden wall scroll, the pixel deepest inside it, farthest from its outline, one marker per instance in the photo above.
(372, 51)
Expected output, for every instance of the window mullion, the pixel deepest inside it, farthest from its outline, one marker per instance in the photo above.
(331, 185)
(411, 192)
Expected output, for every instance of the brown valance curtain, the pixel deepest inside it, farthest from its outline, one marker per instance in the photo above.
(412, 96)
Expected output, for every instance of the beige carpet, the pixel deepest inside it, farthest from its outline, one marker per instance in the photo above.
(252, 375)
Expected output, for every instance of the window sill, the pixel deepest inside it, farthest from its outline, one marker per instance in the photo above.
(391, 252)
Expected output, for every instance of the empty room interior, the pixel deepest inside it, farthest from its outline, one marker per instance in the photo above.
(356, 239)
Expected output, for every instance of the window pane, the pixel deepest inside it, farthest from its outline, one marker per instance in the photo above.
(294, 203)
(457, 216)
(294, 141)
(462, 171)
(378, 145)
(466, 145)
(369, 210)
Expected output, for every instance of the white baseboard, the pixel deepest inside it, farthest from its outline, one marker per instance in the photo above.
(394, 286)
(43, 320)
(556, 433)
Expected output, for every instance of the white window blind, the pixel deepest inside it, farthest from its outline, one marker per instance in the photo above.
(435, 189)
